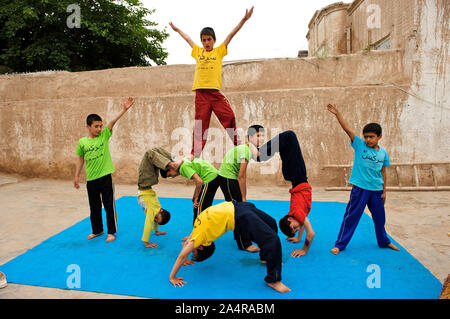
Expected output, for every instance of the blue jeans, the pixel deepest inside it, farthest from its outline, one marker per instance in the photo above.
(359, 198)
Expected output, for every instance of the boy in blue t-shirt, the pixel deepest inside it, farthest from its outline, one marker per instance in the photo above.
(368, 178)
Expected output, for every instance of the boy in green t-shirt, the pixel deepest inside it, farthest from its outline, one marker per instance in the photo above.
(205, 177)
(233, 173)
(94, 150)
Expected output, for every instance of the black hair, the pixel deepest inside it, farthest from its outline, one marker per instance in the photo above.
(256, 128)
(91, 118)
(165, 216)
(206, 252)
(208, 31)
(163, 173)
(285, 226)
(372, 128)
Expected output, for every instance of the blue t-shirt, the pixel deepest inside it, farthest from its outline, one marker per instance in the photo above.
(367, 165)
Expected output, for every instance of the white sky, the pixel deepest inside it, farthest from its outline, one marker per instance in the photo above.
(277, 28)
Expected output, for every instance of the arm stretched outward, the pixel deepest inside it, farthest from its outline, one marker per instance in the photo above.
(242, 179)
(126, 105)
(183, 35)
(248, 14)
(308, 240)
(332, 108)
(181, 260)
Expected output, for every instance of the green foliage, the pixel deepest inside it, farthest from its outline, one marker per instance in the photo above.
(34, 35)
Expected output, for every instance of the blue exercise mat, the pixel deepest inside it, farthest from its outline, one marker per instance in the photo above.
(69, 261)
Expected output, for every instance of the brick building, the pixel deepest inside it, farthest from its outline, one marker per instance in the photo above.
(344, 28)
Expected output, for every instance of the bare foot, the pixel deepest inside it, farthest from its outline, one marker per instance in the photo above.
(150, 245)
(252, 249)
(110, 238)
(94, 235)
(392, 246)
(335, 250)
(278, 286)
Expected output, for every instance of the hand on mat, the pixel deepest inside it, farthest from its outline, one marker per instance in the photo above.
(177, 281)
(188, 262)
(293, 240)
(298, 253)
(159, 233)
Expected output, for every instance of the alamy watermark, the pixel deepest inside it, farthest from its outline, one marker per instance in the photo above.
(374, 16)
(73, 281)
(374, 279)
(74, 19)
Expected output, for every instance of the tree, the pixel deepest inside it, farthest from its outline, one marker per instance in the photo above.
(78, 35)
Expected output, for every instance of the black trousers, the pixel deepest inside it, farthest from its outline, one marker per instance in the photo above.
(102, 190)
(206, 196)
(293, 166)
(232, 192)
(255, 225)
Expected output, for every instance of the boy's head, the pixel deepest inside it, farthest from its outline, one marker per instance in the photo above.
(94, 124)
(256, 135)
(162, 217)
(372, 134)
(208, 38)
(170, 171)
(203, 252)
(289, 225)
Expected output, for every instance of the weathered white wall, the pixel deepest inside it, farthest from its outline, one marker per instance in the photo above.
(42, 115)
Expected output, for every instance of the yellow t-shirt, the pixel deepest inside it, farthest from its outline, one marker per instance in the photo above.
(208, 69)
(212, 223)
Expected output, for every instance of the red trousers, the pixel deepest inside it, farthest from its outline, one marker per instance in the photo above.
(207, 101)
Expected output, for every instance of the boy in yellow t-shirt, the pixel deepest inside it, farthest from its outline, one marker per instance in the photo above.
(207, 85)
(242, 218)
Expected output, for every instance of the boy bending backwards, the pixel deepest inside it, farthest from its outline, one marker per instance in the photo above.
(208, 82)
(294, 170)
(153, 160)
(368, 178)
(94, 150)
(243, 218)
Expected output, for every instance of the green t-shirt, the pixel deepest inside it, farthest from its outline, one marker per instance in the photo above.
(96, 154)
(205, 170)
(231, 163)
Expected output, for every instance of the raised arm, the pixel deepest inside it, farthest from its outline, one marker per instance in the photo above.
(183, 35)
(332, 108)
(248, 14)
(181, 259)
(126, 105)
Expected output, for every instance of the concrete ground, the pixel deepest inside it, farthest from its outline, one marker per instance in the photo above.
(32, 210)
